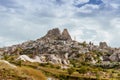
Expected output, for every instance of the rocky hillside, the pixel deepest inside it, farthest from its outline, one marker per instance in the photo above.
(57, 47)
(56, 56)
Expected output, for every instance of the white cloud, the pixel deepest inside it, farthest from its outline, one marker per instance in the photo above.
(2, 8)
(88, 8)
(116, 6)
(30, 19)
(116, 23)
(80, 1)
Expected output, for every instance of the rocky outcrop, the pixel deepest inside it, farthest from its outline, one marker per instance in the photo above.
(59, 48)
(103, 45)
(51, 58)
(66, 35)
(27, 58)
(115, 57)
(55, 34)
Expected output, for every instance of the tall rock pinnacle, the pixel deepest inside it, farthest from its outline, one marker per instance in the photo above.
(66, 35)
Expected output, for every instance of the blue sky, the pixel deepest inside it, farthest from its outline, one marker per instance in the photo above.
(87, 20)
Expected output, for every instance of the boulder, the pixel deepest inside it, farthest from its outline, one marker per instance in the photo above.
(115, 57)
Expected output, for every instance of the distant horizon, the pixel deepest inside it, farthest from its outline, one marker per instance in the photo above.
(87, 20)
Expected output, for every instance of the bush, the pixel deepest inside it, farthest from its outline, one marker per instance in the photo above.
(83, 70)
(6, 57)
(58, 67)
(19, 63)
(70, 70)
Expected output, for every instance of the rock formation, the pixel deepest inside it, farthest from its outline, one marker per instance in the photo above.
(66, 35)
(115, 57)
(55, 34)
(103, 45)
(59, 48)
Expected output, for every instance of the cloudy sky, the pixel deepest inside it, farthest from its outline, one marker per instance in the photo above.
(87, 20)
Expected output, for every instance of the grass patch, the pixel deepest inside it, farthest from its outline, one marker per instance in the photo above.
(35, 74)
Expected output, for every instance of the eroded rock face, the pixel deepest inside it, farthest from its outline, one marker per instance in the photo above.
(52, 58)
(66, 35)
(53, 34)
(103, 45)
(59, 48)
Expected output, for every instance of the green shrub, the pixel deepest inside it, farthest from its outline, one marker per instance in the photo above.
(70, 70)
(19, 63)
(6, 57)
(83, 70)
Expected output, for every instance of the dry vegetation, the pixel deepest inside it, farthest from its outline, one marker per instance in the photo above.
(35, 74)
(36, 71)
(19, 73)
